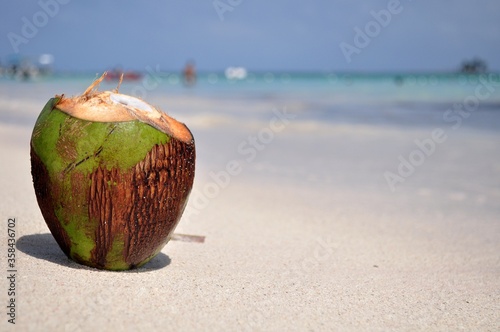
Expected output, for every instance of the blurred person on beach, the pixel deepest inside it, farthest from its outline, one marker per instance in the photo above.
(189, 74)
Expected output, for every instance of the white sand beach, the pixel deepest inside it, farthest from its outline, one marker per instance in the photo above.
(302, 230)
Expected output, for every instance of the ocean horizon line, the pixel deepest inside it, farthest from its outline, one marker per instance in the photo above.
(360, 73)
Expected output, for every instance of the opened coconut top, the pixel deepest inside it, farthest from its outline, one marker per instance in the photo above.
(111, 106)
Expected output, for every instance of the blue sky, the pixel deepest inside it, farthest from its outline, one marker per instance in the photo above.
(421, 35)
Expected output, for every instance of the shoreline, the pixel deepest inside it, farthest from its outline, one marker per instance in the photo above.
(307, 235)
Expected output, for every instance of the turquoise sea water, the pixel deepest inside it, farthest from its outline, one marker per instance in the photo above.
(408, 99)
(375, 86)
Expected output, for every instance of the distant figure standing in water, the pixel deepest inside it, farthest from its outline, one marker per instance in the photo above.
(189, 74)
(398, 80)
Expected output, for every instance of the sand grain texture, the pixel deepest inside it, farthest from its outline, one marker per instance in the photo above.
(308, 236)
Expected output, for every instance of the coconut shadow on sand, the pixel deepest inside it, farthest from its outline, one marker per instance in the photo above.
(44, 246)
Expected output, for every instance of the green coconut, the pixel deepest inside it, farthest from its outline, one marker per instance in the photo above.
(112, 176)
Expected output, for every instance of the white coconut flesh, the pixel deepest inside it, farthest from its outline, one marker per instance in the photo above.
(108, 106)
(130, 102)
